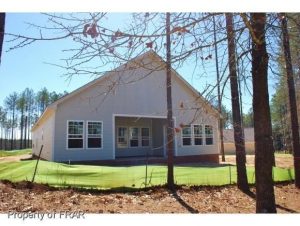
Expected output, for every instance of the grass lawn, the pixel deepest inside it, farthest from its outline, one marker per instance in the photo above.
(105, 177)
(15, 152)
(283, 154)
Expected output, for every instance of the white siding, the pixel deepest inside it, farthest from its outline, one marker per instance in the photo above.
(44, 135)
(126, 93)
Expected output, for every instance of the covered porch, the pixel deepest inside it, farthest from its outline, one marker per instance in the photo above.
(139, 137)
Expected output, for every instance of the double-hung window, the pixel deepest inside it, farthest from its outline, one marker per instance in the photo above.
(208, 135)
(198, 140)
(194, 135)
(186, 136)
(145, 133)
(75, 134)
(94, 134)
(134, 137)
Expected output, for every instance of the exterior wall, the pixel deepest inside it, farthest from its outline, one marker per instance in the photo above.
(72, 110)
(130, 92)
(229, 146)
(178, 160)
(43, 135)
(193, 112)
(229, 138)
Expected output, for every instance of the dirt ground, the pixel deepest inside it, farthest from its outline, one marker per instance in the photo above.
(283, 161)
(228, 199)
(15, 158)
(18, 197)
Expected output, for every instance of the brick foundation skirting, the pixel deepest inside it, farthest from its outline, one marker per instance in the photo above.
(213, 158)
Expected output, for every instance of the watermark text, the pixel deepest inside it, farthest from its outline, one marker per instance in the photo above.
(41, 216)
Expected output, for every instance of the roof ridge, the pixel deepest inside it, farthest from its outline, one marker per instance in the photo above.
(108, 73)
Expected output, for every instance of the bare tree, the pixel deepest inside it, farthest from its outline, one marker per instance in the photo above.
(191, 40)
(42, 100)
(219, 92)
(21, 108)
(170, 130)
(3, 114)
(242, 180)
(11, 106)
(2, 27)
(265, 198)
(29, 109)
(292, 98)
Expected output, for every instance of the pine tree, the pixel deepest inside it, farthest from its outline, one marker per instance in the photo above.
(264, 152)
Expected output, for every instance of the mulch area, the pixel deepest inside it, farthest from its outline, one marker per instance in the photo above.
(25, 197)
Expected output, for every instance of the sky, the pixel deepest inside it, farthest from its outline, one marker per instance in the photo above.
(31, 66)
(26, 68)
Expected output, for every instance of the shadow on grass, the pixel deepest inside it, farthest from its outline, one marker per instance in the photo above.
(290, 174)
(93, 190)
(204, 165)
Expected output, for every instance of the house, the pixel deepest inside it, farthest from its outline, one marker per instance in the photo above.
(122, 115)
(228, 138)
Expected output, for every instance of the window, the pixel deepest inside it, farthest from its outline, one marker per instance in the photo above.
(208, 135)
(134, 137)
(198, 135)
(94, 134)
(122, 137)
(186, 136)
(75, 134)
(145, 137)
(194, 135)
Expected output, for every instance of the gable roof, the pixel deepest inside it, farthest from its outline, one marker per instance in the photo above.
(51, 107)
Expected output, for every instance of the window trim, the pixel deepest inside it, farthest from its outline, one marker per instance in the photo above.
(212, 135)
(191, 136)
(149, 137)
(67, 135)
(202, 134)
(87, 135)
(127, 137)
(138, 137)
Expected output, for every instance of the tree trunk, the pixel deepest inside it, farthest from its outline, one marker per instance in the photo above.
(242, 180)
(265, 199)
(21, 129)
(292, 99)
(25, 133)
(6, 137)
(241, 105)
(170, 130)
(219, 94)
(12, 130)
(28, 127)
(1, 138)
(2, 27)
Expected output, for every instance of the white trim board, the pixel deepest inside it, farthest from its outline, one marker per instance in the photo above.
(87, 135)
